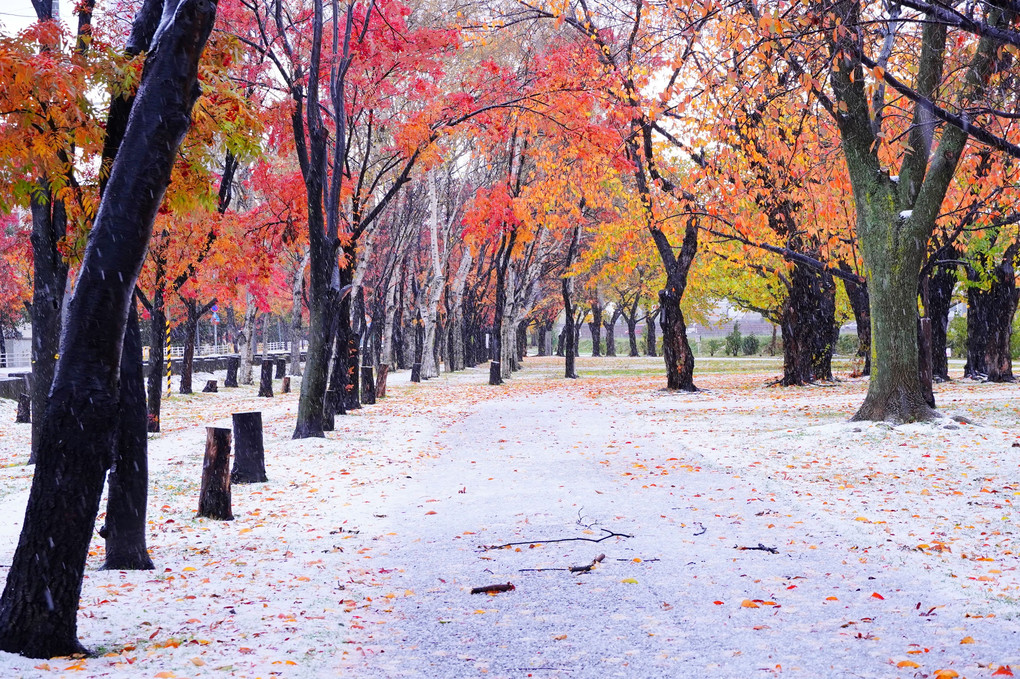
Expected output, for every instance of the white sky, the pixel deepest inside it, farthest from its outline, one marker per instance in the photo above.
(18, 14)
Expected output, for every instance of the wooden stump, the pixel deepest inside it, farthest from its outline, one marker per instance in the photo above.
(285, 386)
(367, 385)
(416, 372)
(332, 405)
(214, 498)
(494, 373)
(249, 451)
(233, 365)
(266, 379)
(210, 387)
(281, 368)
(24, 415)
(380, 381)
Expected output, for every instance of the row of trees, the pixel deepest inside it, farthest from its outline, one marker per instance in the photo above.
(416, 185)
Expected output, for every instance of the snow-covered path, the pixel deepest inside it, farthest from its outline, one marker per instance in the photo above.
(678, 598)
(895, 548)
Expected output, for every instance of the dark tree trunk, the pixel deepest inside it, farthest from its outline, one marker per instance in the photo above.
(266, 378)
(990, 322)
(367, 385)
(860, 303)
(543, 334)
(49, 277)
(249, 450)
(561, 338)
(651, 341)
(39, 605)
(188, 360)
(595, 327)
(158, 330)
(211, 387)
(939, 301)
(126, 504)
(808, 323)
(522, 340)
(281, 368)
(610, 327)
(568, 338)
(419, 348)
(24, 414)
(632, 335)
(233, 363)
(214, 500)
(924, 360)
(675, 349)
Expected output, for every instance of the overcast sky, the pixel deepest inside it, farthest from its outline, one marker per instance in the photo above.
(17, 14)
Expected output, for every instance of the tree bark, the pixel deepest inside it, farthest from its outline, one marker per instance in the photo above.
(266, 378)
(651, 341)
(214, 501)
(938, 300)
(126, 504)
(39, 605)
(595, 326)
(249, 449)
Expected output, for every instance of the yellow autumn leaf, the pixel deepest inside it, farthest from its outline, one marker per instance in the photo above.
(629, 581)
(197, 662)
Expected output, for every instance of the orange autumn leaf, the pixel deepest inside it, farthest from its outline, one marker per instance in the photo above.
(1003, 671)
(907, 663)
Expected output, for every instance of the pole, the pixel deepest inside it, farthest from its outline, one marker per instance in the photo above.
(169, 359)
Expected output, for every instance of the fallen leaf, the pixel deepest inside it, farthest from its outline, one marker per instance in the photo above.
(747, 603)
(967, 640)
(907, 663)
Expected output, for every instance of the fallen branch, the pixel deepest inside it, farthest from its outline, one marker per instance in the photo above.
(493, 589)
(760, 548)
(585, 569)
(611, 534)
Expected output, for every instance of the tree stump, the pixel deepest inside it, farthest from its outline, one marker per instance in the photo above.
(233, 365)
(380, 381)
(416, 372)
(281, 368)
(249, 451)
(367, 385)
(332, 405)
(285, 386)
(24, 415)
(494, 373)
(214, 498)
(266, 379)
(210, 387)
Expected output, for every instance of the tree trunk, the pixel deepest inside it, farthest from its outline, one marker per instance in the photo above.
(188, 360)
(214, 497)
(39, 605)
(249, 449)
(860, 303)
(990, 322)
(651, 341)
(610, 327)
(939, 301)
(266, 378)
(595, 326)
(49, 280)
(543, 334)
(129, 474)
(297, 306)
(675, 349)
(246, 341)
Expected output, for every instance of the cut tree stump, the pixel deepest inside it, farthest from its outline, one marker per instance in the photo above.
(380, 381)
(285, 386)
(494, 373)
(281, 368)
(210, 387)
(367, 385)
(416, 372)
(24, 415)
(233, 365)
(266, 379)
(249, 450)
(214, 498)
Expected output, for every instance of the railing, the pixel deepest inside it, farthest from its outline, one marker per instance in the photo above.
(15, 359)
(221, 349)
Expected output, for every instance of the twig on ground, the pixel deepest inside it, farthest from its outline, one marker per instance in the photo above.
(611, 534)
(760, 548)
(703, 529)
(493, 589)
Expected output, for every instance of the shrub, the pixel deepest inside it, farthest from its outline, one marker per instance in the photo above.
(750, 345)
(847, 345)
(713, 345)
(733, 341)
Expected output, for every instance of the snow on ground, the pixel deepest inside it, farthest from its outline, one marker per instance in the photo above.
(874, 551)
